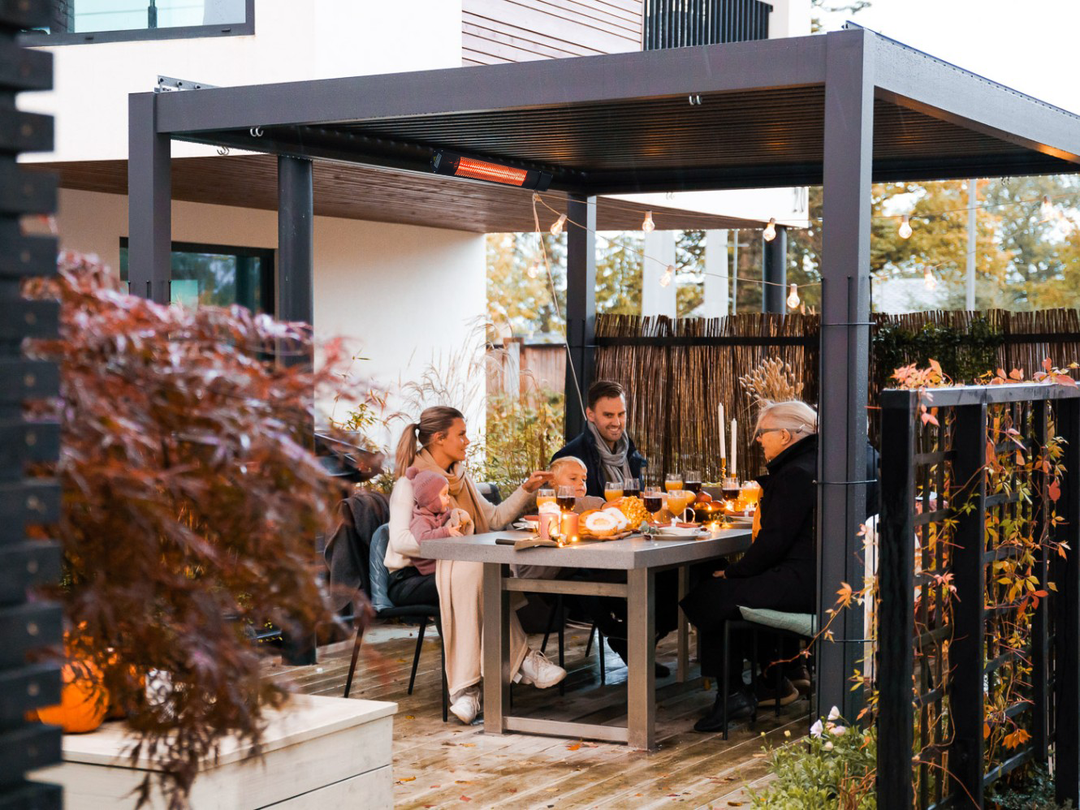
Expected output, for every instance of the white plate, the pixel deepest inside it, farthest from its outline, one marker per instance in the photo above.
(678, 532)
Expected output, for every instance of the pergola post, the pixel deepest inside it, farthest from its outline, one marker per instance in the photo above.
(845, 313)
(580, 307)
(295, 302)
(149, 201)
(774, 272)
(296, 241)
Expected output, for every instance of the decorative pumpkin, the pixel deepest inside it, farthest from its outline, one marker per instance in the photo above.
(84, 701)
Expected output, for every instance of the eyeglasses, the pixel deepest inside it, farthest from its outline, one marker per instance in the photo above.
(762, 431)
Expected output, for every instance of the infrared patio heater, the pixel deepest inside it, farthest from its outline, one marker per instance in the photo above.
(455, 165)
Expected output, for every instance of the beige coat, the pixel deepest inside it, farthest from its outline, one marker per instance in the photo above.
(460, 587)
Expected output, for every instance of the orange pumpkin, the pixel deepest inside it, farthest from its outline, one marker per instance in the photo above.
(83, 699)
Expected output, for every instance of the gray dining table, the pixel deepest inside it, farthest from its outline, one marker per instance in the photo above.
(641, 558)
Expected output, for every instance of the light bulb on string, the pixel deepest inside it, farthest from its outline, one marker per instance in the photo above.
(1047, 211)
(669, 274)
(533, 270)
(557, 225)
(928, 279)
(905, 227)
(647, 224)
(770, 230)
(793, 299)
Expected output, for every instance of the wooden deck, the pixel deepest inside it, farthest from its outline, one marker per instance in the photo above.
(451, 765)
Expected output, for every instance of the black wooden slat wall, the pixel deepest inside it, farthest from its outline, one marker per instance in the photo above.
(25, 625)
(678, 23)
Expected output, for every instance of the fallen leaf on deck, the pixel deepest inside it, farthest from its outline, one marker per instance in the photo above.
(464, 798)
(409, 717)
(468, 745)
(401, 660)
(734, 804)
(573, 747)
(762, 754)
(462, 782)
(407, 779)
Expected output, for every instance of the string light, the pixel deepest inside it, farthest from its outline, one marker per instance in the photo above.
(928, 279)
(1047, 211)
(905, 227)
(669, 274)
(557, 225)
(793, 299)
(533, 270)
(648, 225)
(770, 230)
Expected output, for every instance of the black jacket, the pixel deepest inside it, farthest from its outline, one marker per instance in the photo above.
(584, 448)
(788, 515)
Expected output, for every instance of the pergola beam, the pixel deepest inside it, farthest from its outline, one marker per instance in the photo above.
(734, 67)
(915, 80)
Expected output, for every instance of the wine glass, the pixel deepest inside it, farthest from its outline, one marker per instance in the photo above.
(544, 496)
(613, 490)
(730, 490)
(673, 481)
(566, 499)
(654, 500)
(631, 488)
(693, 480)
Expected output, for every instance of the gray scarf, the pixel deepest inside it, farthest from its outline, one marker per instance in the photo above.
(613, 463)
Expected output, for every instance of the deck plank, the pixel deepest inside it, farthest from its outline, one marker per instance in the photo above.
(452, 765)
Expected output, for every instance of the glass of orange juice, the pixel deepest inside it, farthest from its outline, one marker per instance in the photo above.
(613, 490)
(544, 496)
(679, 500)
(673, 481)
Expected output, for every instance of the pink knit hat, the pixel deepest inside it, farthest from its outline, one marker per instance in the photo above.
(426, 488)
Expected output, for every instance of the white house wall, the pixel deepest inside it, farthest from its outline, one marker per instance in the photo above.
(294, 40)
(400, 295)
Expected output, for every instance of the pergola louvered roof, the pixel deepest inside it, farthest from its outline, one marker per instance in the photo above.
(723, 116)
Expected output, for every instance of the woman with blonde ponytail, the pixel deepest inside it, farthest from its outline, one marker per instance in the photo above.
(438, 443)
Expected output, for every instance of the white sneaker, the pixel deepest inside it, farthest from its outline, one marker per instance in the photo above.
(537, 670)
(466, 704)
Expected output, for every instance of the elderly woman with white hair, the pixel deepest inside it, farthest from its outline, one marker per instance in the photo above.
(778, 571)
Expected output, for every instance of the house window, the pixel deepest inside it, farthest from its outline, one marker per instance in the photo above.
(217, 275)
(84, 21)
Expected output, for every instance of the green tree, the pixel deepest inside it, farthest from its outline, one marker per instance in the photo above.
(938, 217)
(1042, 252)
(516, 298)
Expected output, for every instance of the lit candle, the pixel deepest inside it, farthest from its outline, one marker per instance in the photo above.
(569, 524)
(723, 434)
(734, 447)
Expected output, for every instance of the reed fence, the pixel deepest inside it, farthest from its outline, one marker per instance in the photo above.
(677, 372)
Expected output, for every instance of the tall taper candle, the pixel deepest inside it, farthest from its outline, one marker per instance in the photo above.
(723, 433)
(734, 447)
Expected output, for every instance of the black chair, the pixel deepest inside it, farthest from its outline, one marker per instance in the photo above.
(385, 609)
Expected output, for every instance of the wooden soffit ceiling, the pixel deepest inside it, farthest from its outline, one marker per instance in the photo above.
(355, 191)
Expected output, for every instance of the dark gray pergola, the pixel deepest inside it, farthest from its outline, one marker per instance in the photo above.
(843, 110)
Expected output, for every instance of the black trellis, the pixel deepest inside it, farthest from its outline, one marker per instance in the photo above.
(942, 655)
(25, 626)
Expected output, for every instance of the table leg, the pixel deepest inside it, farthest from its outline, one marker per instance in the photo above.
(682, 671)
(496, 650)
(641, 680)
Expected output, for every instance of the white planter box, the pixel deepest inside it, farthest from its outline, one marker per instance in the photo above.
(318, 752)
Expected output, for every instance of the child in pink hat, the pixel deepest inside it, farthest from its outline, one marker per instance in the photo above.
(432, 517)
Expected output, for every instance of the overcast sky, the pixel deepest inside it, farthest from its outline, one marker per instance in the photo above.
(1029, 45)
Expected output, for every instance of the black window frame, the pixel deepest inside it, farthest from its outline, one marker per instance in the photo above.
(267, 290)
(39, 39)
